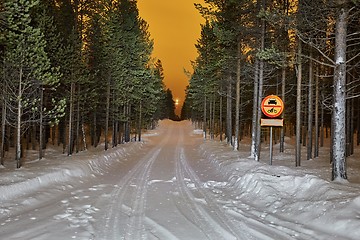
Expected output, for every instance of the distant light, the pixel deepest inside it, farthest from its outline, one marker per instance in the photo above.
(177, 102)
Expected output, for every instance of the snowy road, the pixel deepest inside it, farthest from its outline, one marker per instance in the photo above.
(163, 189)
(156, 193)
(162, 197)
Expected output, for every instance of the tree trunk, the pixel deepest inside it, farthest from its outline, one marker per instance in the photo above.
(107, 118)
(261, 83)
(140, 121)
(77, 134)
(283, 89)
(204, 118)
(358, 123)
(114, 132)
(352, 127)
(229, 112)
(83, 134)
(303, 123)
(41, 131)
(339, 110)
(95, 136)
(71, 113)
(322, 126)
(316, 123)
(127, 122)
(62, 135)
(255, 120)
(213, 118)
(260, 96)
(3, 128)
(210, 117)
(33, 136)
(310, 111)
(221, 116)
(113, 135)
(18, 123)
(120, 136)
(298, 108)
(237, 105)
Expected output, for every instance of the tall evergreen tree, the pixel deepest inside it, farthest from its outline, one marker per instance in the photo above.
(98, 47)
(96, 64)
(27, 69)
(170, 105)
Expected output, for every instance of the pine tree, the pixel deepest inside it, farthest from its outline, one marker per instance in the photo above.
(95, 55)
(27, 70)
(170, 105)
(74, 73)
(128, 52)
(325, 30)
(159, 84)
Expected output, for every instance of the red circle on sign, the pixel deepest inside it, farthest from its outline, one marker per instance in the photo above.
(272, 106)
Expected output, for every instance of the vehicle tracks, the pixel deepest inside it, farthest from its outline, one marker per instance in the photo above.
(210, 217)
(125, 217)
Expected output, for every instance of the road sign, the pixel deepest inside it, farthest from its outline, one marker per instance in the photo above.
(266, 122)
(272, 106)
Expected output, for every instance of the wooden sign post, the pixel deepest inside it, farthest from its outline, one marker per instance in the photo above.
(272, 106)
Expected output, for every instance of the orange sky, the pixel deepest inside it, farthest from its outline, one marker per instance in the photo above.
(175, 27)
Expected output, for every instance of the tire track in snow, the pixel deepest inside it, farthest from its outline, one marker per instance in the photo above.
(199, 216)
(135, 228)
(134, 225)
(115, 225)
(216, 215)
(209, 225)
(242, 227)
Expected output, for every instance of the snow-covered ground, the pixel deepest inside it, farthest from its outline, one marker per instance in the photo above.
(174, 185)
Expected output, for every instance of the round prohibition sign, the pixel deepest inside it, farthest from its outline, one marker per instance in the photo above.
(272, 106)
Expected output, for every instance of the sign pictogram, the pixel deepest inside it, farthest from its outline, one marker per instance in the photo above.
(272, 106)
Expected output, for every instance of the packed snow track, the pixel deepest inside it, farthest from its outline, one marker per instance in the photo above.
(164, 188)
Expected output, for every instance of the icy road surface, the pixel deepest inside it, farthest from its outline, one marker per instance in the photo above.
(164, 188)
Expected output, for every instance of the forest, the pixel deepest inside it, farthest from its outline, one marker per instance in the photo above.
(306, 52)
(79, 73)
(76, 73)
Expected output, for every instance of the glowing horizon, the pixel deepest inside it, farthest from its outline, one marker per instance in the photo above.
(175, 27)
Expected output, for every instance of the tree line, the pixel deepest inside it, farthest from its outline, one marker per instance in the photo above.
(74, 73)
(305, 51)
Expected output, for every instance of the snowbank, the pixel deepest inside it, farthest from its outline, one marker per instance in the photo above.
(54, 170)
(279, 195)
